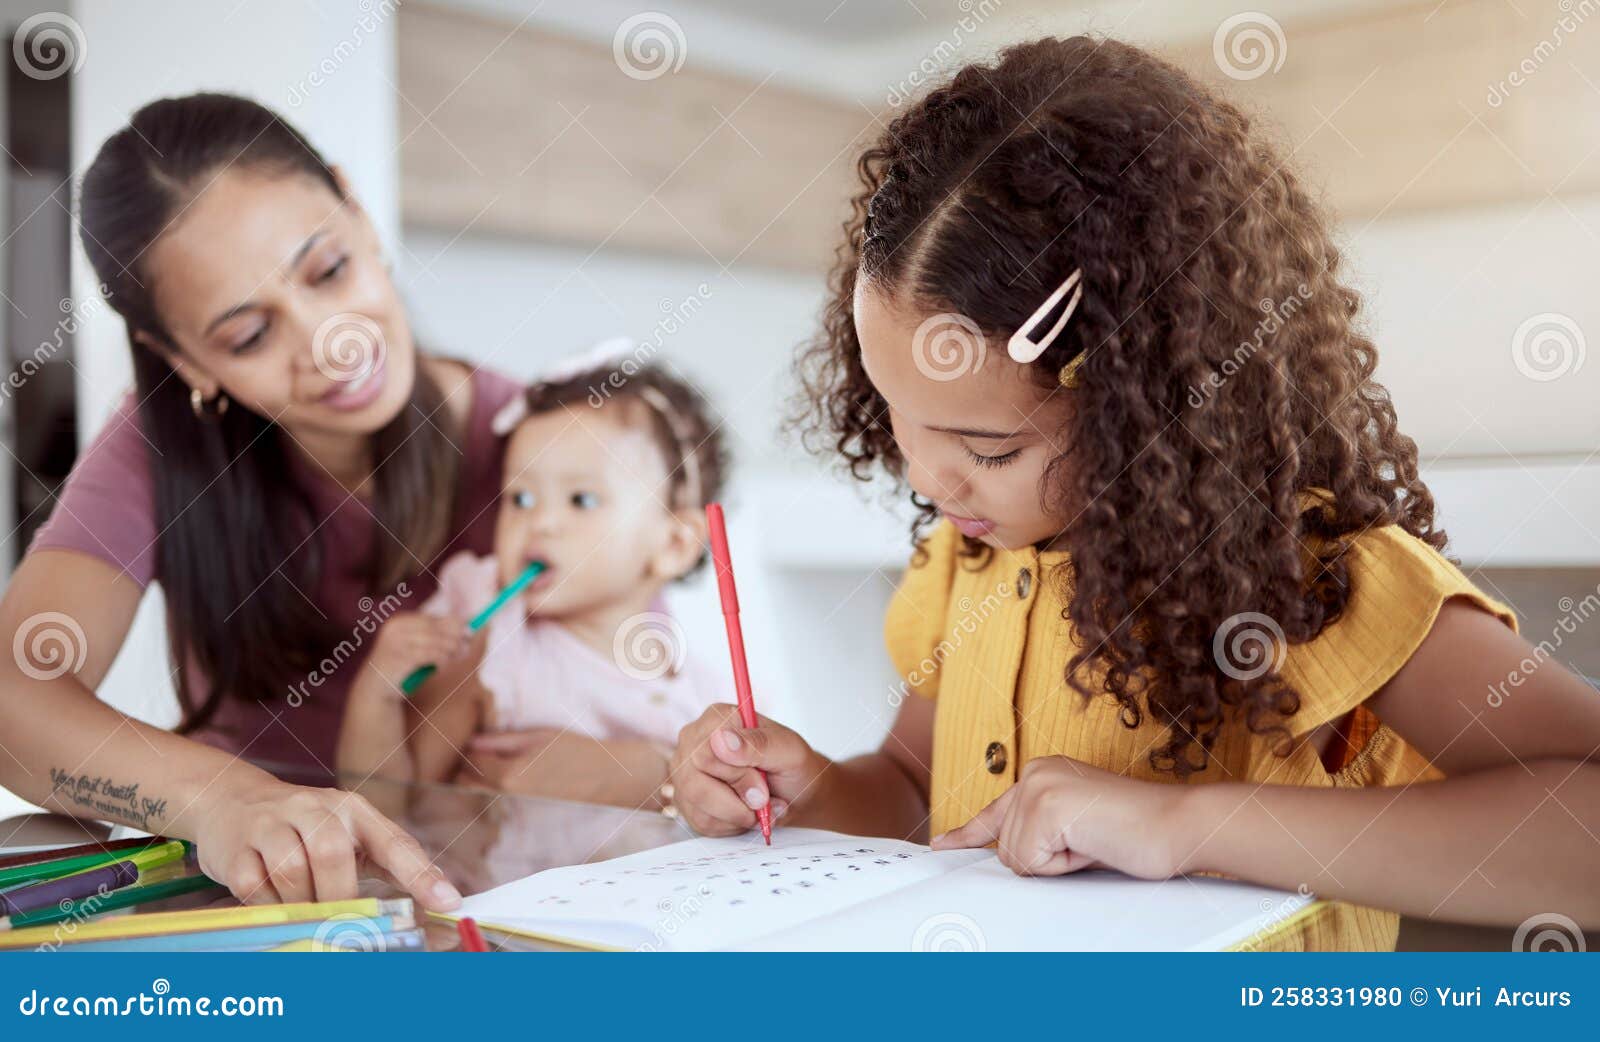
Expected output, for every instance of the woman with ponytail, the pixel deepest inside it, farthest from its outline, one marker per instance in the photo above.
(288, 468)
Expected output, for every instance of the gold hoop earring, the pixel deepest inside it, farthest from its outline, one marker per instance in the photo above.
(197, 402)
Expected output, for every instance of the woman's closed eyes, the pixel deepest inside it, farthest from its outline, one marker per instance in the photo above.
(255, 336)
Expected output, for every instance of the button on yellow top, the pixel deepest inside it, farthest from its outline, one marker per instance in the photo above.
(1000, 685)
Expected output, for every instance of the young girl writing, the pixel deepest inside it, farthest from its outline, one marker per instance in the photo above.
(606, 480)
(1102, 334)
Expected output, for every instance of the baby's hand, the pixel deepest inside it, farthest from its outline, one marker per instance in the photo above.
(410, 640)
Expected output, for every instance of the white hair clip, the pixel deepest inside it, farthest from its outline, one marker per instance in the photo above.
(1022, 347)
(607, 354)
(513, 412)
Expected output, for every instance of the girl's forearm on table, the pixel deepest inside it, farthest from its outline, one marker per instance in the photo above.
(1491, 847)
(870, 795)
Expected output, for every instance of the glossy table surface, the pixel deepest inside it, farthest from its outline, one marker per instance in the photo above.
(480, 839)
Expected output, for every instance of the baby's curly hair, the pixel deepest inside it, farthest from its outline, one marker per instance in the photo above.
(1226, 437)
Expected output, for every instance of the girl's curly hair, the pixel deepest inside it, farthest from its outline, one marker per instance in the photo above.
(1227, 439)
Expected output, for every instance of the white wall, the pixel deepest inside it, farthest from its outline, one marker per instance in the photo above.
(326, 65)
(518, 306)
(1446, 294)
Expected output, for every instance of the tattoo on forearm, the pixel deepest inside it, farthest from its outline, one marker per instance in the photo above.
(105, 798)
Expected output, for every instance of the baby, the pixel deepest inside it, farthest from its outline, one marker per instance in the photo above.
(584, 672)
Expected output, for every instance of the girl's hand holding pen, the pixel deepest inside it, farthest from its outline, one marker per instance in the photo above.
(1063, 815)
(716, 771)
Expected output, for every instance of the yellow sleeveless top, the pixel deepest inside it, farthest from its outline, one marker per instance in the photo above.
(991, 645)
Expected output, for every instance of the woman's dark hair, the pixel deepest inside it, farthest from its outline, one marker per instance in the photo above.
(1226, 438)
(232, 520)
(679, 418)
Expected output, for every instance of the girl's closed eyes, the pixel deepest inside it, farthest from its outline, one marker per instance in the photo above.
(992, 461)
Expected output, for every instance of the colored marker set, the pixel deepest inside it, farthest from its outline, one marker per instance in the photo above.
(360, 925)
(42, 888)
(60, 899)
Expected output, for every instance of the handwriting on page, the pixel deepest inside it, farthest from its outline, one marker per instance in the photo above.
(713, 897)
(738, 878)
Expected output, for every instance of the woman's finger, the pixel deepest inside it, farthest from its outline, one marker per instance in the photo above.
(389, 847)
(288, 868)
(248, 881)
(331, 852)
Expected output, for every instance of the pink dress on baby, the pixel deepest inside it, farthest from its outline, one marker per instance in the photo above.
(540, 675)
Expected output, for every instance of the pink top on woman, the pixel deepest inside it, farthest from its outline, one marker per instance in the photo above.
(107, 509)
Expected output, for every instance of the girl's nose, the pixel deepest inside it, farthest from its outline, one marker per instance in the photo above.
(939, 485)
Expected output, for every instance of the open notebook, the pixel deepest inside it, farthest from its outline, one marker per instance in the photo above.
(814, 890)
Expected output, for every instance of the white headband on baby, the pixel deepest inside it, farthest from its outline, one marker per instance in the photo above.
(609, 354)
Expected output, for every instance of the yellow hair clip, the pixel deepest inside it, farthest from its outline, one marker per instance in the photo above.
(1069, 372)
